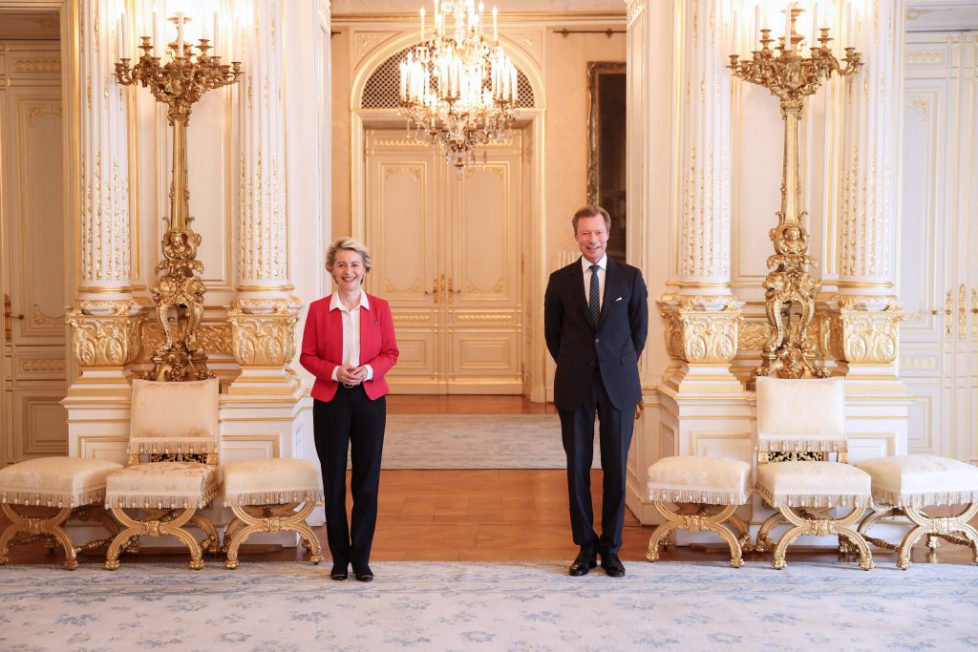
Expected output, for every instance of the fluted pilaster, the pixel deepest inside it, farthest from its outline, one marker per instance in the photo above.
(104, 319)
(263, 270)
(104, 228)
(701, 318)
(863, 318)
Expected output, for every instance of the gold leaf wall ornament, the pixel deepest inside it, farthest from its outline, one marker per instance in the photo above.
(858, 335)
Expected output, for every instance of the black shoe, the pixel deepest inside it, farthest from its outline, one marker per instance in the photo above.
(584, 562)
(612, 565)
(363, 574)
(339, 572)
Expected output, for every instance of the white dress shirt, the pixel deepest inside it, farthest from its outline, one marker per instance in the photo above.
(351, 333)
(602, 266)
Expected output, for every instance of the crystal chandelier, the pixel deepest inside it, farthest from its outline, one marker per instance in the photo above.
(457, 89)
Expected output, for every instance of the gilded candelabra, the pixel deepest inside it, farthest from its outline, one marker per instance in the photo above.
(179, 83)
(789, 290)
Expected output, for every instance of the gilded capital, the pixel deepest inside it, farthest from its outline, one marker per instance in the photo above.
(263, 331)
(108, 338)
(701, 330)
(855, 333)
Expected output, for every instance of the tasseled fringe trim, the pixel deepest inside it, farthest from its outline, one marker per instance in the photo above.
(801, 446)
(146, 446)
(274, 498)
(156, 501)
(700, 496)
(37, 498)
(814, 500)
(888, 497)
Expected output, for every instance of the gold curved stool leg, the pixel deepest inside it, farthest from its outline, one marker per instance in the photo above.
(814, 525)
(764, 542)
(279, 518)
(211, 542)
(938, 527)
(49, 526)
(698, 521)
(160, 525)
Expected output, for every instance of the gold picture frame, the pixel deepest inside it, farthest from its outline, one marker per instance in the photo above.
(606, 146)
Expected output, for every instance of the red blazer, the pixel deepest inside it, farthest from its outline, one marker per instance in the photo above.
(322, 346)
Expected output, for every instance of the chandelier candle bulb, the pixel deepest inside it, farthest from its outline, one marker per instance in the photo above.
(217, 30)
(422, 24)
(495, 25)
(787, 28)
(156, 35)
(179, 34)
(757, 21)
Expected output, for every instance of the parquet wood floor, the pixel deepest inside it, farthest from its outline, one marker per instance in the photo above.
(481, 515)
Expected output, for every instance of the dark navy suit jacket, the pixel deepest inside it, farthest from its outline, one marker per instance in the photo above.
(614, 346)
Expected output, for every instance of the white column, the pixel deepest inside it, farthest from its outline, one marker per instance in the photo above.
(104, 319)
(264, 315)
(702, 316)
(866, 309)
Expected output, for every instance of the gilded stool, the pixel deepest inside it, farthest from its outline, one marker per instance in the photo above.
(271, 495)
(903, 485)
(74, 486)
(705, 492)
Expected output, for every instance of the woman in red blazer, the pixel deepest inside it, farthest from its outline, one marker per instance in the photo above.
(349, 346)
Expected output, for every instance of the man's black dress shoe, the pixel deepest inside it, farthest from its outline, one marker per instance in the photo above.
(585, 562)
(363, 574)
(612, 565)
(339, 572)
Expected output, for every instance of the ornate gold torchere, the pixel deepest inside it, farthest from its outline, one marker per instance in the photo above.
(179, 83)
(789, 290)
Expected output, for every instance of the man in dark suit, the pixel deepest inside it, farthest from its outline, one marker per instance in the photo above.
(596, 320)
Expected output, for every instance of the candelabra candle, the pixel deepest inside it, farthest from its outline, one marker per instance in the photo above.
(789, 289)
(179, 83)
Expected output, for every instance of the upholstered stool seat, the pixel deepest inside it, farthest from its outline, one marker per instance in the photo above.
(66, 483)
(264, 496)
(162, 485)
(813, 484)
(695, 483)
(903, 485)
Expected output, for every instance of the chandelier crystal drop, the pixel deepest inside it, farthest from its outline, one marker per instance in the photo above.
(458, 89)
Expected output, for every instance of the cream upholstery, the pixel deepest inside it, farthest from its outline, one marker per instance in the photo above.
(163, 485)
(271, 495)
(174, 417)
(694, 479)
(813, 484)
(271, 482)
(699, 494)
(55, 481)
(800, 414)
(921, 480)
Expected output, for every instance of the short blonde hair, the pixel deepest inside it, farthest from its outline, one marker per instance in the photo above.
(348, 244)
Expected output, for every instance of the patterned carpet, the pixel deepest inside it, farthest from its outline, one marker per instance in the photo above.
(475, 441)
(482, 606)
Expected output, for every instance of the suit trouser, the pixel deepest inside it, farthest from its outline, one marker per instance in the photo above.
(615, 432)
(351, 420)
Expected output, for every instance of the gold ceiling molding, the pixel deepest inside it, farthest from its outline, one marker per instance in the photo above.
(341, 20)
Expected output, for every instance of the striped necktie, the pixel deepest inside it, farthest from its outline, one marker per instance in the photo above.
(594, 296)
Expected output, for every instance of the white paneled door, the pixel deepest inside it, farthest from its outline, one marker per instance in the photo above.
(448, 252)
(32, 267)
(939, 242)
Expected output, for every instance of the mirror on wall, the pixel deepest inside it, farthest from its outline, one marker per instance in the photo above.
(606, 147)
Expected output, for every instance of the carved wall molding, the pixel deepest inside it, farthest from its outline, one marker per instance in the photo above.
(37, 65)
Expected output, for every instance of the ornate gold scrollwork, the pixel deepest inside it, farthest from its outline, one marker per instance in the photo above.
(701, 329)
(111, 338)
(263, 339)
(858, 333)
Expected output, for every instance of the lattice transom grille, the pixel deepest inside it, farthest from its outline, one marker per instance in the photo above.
(382, 90)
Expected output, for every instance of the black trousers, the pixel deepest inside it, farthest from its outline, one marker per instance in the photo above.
(615, 432)
(351, 421)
